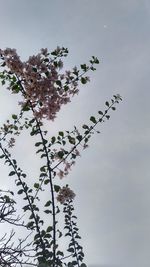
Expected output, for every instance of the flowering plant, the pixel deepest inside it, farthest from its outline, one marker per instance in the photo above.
(44, 88)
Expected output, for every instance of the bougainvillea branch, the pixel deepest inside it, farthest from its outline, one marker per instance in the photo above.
(44, 87)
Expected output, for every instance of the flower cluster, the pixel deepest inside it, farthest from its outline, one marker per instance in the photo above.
(66, 163)
(45, 89)
(65, 171)
(65, 193)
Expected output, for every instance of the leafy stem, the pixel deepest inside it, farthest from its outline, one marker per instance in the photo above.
(52, 191)
(72, 232)
(24, 186)
(49, 175)
(89, 130)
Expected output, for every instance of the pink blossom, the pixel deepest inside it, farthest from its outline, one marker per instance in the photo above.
(67, 167)
(76, 152)
(60, 174)
(65, 193)
(40, 81)
(44, 51)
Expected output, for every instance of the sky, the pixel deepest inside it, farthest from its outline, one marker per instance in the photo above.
(111, 179)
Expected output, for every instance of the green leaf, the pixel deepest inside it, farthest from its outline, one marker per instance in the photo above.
(83, 80)
(74, 263)
(60, 253)
(30, 224)
(15, 127)
(46, 181)
(36, 185)
(61, 133)
(38, 143)
(79, 137)
(49, 229)
(63, 142)
(20, 191)
(107, 103)
(25, 208)
(31, 216)
(92, 68)
(95, 60)
(43, 232)
(47, 236)
(107, 117)
(26, 108)
(100, 112)
(60, 154)
(58, 83)
(86, 132)
(14, 161)
(53, 139)
(71, 140)
(85, 126)
(43, 155)
(30, 190)
(42, 169)
(70, 250)
(18, 183)
(36, 208)
(48, 203)
(66, 88)
(77, 236)
(14, 116)
(92, 118)
(39, 150)
(15, 88)
(37, 236)
(43, 174)
(83, 67)
(54, 53)
(11, 173)
(47, 211)
(83, 265)
(73, 155)
(32, 120)
(56, 188)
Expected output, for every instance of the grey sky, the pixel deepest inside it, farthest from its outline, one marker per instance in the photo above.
(111, 179)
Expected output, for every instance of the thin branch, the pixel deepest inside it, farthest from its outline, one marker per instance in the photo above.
(85, 135)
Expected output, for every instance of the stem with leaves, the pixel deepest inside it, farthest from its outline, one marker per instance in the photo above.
(25, 191)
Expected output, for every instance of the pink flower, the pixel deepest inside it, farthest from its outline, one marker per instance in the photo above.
(68, 166)
(44, 51)
(60, 174)
(65, 193)
(44, 87)
(77, 153)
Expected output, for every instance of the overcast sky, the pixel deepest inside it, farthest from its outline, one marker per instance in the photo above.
(112, 178)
